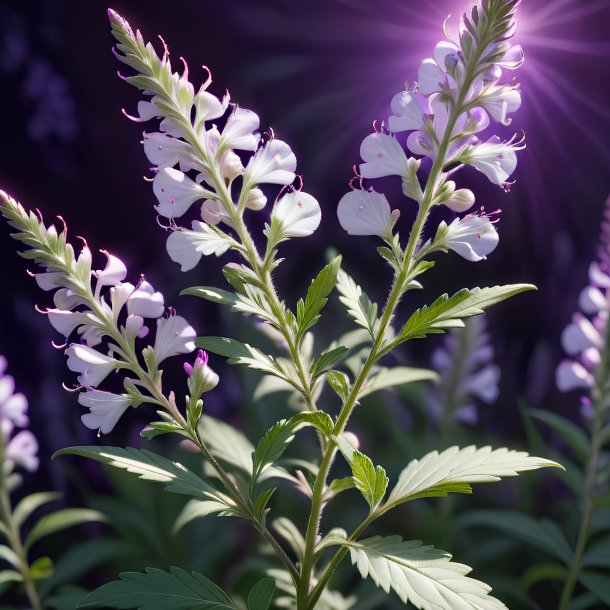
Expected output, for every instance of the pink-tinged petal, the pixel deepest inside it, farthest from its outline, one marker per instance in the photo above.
(148, 111)
(592, 300)
(113, 273)
(145, 302)
(105, 409)
(3, 364)
(48, 281)
(7, 387)
(174, 336)
(299, 212)
(382, 156)
(513, 58)
(408, 109)
(580, 335)
(163, 150)
(496, 159)
(419, 143)
(92, 365)
(472, 237)
(598, 277)
(365, 213)
(22, 450)
(185, 247)
(274, 163)
(134, 326)
(176, 192)
(443, 51)
(239, 131)
(572, 375)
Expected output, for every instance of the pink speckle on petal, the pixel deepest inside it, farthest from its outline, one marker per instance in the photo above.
(479, 235)
(361, 208)
(379, 155)
(500, 156)
(171, 200)
(300, 204)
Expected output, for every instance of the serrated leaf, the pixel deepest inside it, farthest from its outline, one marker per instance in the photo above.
(421, 575)
(261, 595)
(308, 311)
(210, 293)
(61, 520)
(327, 360)
(156, 589)
(339, 382)
(454, 469)
(359, 306)
(397, 376)
(30, 503)
(371, 482)
(448, 311)
(572, 435)
(541, 533)
(149, 466)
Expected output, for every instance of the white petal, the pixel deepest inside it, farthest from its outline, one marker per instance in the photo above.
(209, 107)
(163, 150)
(186, 247)
(382, 156)
(65, 322)
(365, 213)
(22, 449)
(430, 77)
(106, 409)
(145, 302)
(579, 335)
(239, 130)
(174, 336)
(473, 237)
(176, 192)
(93, 365)
(572, 375)
(299, 212)
(113, 273)
(408, 109)
(274, 163)
(15, 409)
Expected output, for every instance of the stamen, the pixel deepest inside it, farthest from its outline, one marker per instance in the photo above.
(132, 118)
(73, 389)
(165, 47)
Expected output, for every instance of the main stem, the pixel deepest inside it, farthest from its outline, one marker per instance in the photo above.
(6, 516)
(304, 601)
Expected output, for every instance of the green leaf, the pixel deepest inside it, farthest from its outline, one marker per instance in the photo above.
(397, 376)
(195, 509)
(210, 293)
(573, 436)
(9, 576)
(597, 555)
(370, 481)
(42, 568)
(308, 311)
(61, 520)
(157, 589)
(223, 346)
(359, 307)
(541, 533)
(291, 534)
(261, 594)
(598, 583)
(448, 312)
(9, 555)
(327, 360)
(339, 382)
(30, 503)
(227, 443)
(337, 486)
(422, 575)
(66, 598)
(454, 469)
(148, 466)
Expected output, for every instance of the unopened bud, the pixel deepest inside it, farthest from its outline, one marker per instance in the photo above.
(256, 199)
(231, 165)
(460, 201)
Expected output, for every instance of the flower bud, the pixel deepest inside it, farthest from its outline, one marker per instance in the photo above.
(256, 199)
(460, 200)
(231, 165)
(201, 377)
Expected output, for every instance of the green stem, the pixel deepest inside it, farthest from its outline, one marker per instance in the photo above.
(6, 516)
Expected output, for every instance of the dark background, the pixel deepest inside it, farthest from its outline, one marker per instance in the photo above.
(318, 72)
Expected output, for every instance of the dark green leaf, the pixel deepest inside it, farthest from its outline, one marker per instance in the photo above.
(397, 376)
(571, 434)
(272, 446)
(261, 594)
(327, 360)
(598, 583)
(339, 382)
(157, 589)
(210, 293)
(223, 346)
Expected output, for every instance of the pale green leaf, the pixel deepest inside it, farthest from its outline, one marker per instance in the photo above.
(291, 534)
(195, 509)
(7, 554)
(397, 376)
(261, 595)
(156, 589)
(148, 466)
(227, 443)
(42, 568)
(454, 469)
(9, 576)
(210, 293)
(327, 360)
(359, 306)
(61, 520)
(30, 503)
(371, 482)
(339, 382)
(448, 311)
(421, 575)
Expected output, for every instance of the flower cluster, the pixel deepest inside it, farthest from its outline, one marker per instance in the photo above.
(457, 93)
(585, 338)
(467, 372)
(228, 164)
(105, 312)
(18, 448)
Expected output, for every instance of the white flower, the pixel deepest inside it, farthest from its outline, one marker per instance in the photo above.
(274, 163)
(48, 281)
(106, 409)
(92, 365)
(572, 375)
(592, 300)
(176, 192)
(472, 237)
(163, 150)
(186, 246)
(145, 302)
(174, 336)
(13, 407)
(460, 200)
(366, 213)
(113, 273)
(432, 76)
(239, 130)
(408, 109)
(65, 322)
(580, 335)
(496, 159)
(209, 107)
(382, 156)
(299, 212)
(22, 450)
(500, 101)
(256, 200)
